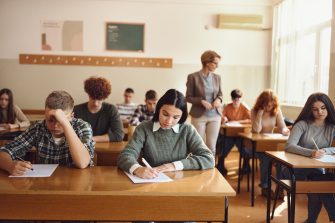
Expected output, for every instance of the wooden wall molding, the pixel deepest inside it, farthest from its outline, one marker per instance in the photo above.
(95, 61)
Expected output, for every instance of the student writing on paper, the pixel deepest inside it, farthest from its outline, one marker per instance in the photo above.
(11, 116)
(234, 111)
(165, 141)
(59, 139)
(265, 116)
(315, 122)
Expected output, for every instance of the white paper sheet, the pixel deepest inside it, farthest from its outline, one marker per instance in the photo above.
(40, 170)
(327, 159)
(233, 124)
(161, 178)
(273, 135)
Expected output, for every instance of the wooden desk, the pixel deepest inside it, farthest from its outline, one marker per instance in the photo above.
(227, 131)
(108, 152)
(258, 143)
(232, 131)
(10, 134)
(292, 161)
(106, 194)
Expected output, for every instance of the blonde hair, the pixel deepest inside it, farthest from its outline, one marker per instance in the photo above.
(208, 57)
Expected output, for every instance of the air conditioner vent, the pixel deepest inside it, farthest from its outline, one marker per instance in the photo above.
(234, 21)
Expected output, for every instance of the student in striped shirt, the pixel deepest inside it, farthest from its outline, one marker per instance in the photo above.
(146, 111)
(127, 108)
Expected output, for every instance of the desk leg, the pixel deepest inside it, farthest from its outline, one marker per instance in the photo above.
(226, 210)
(253, 173)
(293, 191)
(219, 151)
(268, 200)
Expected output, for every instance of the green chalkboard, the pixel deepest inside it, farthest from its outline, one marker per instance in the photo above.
(125, 36)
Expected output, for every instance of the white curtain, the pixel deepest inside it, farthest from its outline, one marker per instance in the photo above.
(301, 49)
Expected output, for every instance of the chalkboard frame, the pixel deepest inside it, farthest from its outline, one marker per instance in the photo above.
(125, 44)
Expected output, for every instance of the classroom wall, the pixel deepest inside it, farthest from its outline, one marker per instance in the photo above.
(181, 30)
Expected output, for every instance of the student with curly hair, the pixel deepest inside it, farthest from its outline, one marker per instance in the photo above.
(103, 117)
(11, 116)
(265, 116)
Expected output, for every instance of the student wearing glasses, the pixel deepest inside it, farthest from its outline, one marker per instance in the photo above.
(204, 93)
(312, 135)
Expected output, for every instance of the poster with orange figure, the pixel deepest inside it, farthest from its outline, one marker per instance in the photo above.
(62, 35)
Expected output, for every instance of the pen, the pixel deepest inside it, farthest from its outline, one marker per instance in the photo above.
(19, 158)
(146, 163)
(315, 144)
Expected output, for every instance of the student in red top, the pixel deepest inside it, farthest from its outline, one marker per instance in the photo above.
(234, 111)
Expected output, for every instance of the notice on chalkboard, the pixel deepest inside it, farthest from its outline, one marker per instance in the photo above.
(125, 36)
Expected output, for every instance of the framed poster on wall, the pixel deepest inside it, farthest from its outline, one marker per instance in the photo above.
(125, 36)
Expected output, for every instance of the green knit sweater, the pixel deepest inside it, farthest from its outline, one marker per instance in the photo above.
(166, 146)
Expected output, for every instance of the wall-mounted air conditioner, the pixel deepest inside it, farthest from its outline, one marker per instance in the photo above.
(235, 21)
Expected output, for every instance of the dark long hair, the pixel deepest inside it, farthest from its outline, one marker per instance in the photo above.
(307, 115)
(172, 97)
(10, 108)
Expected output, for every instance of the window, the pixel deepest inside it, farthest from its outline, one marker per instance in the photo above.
(301, 49)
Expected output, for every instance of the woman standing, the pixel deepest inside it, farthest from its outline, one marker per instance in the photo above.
(11, 116)
(204, 93)
(316, 122)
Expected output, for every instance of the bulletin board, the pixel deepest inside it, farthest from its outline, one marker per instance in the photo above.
(125, 36)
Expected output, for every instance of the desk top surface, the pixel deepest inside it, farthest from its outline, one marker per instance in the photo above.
(103, 180)
(244, 125)
(262, 137)
(298, 161)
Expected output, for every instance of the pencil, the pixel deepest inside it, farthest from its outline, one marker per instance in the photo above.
(146, 163)
(315, 144)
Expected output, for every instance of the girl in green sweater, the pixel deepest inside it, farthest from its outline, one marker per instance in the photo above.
(166, 142)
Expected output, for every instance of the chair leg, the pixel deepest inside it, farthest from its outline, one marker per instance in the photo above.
(275, 202)
(239, 173)
(248, 182)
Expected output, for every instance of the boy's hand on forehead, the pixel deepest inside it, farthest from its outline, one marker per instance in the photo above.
(60, 115)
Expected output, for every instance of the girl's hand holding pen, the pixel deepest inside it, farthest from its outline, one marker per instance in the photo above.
(318, 153)
(146, 172)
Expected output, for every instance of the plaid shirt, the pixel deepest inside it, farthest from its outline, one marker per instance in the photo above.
(48, 152)
(141, 114)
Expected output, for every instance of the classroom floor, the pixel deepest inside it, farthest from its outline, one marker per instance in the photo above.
(240, 209)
